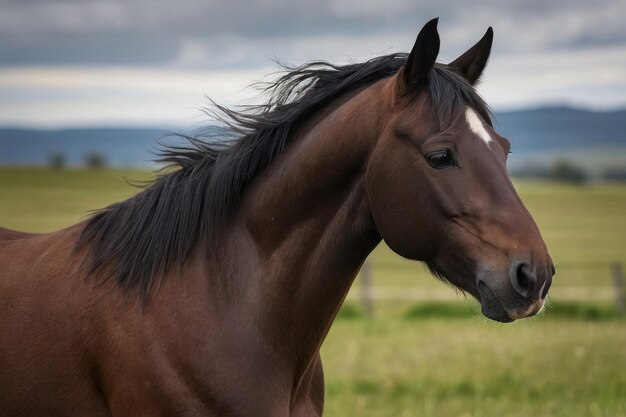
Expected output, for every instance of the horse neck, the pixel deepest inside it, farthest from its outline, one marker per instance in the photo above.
(310, 222)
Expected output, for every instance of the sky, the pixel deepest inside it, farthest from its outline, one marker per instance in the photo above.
(156, 62)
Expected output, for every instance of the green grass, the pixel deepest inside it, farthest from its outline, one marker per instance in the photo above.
(387, 366)
(43, 200)
(570, 310)
(580, 224)
(438, 358)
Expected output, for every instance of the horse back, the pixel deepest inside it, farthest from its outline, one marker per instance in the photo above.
(8, 234)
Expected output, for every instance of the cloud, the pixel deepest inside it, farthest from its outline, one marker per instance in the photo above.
(137, 61)
(584, 77)
(239, 33)
(62, 96)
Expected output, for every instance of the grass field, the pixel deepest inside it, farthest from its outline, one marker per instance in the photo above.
(408, 360)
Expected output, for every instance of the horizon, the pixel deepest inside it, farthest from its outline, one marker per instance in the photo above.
(590, 138)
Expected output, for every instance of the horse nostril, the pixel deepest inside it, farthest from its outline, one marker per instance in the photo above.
(523, 279)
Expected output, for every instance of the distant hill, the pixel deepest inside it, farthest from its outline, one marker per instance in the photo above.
(595, 140)
(538, 135)
(562, 127)
(120, 146)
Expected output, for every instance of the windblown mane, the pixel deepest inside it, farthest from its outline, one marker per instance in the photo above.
(138, 240)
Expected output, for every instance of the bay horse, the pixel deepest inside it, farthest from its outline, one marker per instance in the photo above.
(210, 292)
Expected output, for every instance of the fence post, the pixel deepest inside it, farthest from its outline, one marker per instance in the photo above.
(366, 288)
(618, 285)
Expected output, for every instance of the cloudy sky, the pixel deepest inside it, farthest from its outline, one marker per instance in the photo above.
(151, 62)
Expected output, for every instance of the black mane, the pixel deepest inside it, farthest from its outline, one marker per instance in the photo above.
(138, 240)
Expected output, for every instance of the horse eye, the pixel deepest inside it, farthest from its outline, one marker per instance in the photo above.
(440, 159)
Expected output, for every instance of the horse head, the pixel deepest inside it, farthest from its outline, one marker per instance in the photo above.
(439, 190)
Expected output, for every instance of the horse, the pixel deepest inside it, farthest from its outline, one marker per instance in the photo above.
(211, 290)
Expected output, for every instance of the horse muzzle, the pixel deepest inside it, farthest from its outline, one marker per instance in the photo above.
(520, 293)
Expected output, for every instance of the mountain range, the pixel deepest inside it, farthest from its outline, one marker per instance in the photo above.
(539, 135)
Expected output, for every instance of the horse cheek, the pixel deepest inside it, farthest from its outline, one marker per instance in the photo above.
(399, 205)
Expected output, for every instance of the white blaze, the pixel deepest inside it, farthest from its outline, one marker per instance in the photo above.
(476, 125)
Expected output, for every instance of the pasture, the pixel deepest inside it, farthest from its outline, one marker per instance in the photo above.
(404, 362)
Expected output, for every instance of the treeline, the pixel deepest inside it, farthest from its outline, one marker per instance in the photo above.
(91, 160)
(564, 170)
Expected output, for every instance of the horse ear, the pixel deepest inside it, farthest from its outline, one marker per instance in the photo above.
(472, 63)
(422, 56)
